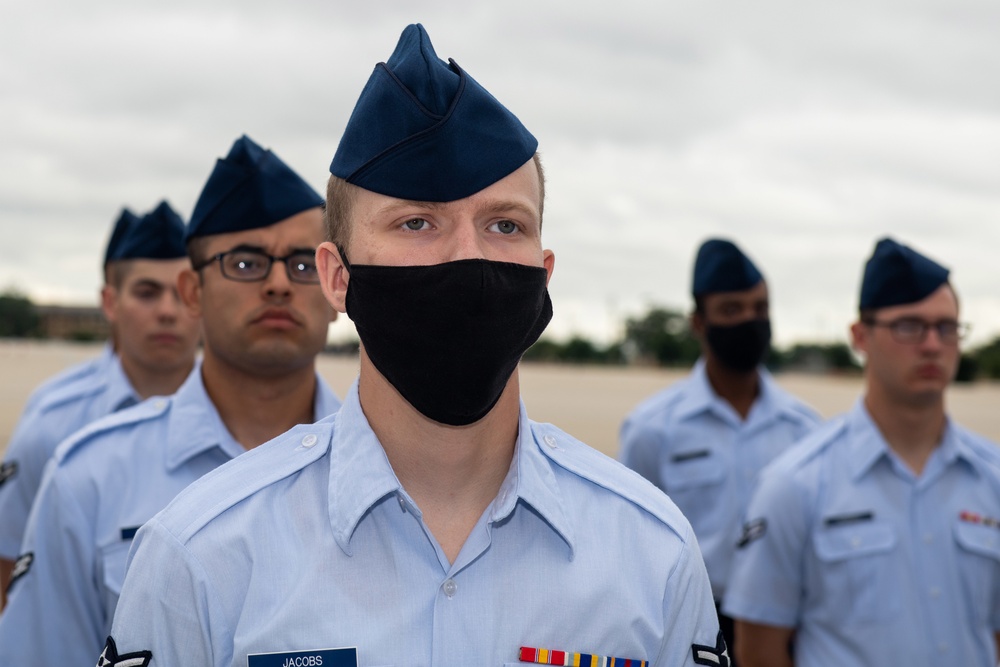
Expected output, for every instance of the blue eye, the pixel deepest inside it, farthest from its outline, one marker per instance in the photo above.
(505, 227)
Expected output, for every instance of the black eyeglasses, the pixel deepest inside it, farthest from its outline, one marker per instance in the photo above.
(911, 330)
(248, 265)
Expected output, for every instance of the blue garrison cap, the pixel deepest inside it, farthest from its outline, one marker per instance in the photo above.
(722, 267)
(425, 130)
(125, 220)
(157, 235)
(897, 275)
(249, 189)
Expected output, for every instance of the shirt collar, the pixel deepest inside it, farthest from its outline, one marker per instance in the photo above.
(360, 474)
(868, 446)
(700, 398)
(195, 425)
(119, 393)
(532, 480)
(361, 477)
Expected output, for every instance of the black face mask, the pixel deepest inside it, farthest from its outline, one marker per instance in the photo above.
(742, 346)
(448, 336)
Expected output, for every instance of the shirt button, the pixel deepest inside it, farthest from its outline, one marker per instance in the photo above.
(928, 538)
(550, 441)
(402, 503)
(309, 440)
(935, 593)
(160, 404)
(450, 588)
(943, 647)
(855, 542)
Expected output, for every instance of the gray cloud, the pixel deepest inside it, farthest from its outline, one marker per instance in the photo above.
(803, 131)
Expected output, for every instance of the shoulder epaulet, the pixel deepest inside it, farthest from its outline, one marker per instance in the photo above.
(586, 462)
(81, 387)
(145, 411)
(240, 478)
(982, 445)
(658, 404)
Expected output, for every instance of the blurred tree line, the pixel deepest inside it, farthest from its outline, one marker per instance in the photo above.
(658, 337)
(662, 337)
(18, 318)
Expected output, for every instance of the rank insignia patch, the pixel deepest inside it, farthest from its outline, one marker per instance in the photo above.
(712, 655)
(110, 658)
(752, 530)
(7, 470)
(21, 567)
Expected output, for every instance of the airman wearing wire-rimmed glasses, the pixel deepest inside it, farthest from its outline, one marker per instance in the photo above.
(877, 539)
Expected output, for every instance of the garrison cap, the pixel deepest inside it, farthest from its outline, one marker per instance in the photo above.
(157, 235)
(722, 267)
(425, 130)
(896, 274)
(249, 189)
(125, 220)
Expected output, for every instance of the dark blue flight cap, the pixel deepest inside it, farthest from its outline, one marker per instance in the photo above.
(897, 275)
(249, 189)
(157, 235)
(722, 267)
(427, 131)
(125, 220)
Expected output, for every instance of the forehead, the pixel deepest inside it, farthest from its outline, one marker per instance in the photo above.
(755, 294)
(939, 304)
(302, 230)
(518, 191)
(153, 270)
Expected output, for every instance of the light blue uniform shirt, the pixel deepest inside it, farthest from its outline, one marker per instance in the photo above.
(692, 444)
(871, 564)
(64, 410)
(310, 542)
(98, 364)
(102, 484)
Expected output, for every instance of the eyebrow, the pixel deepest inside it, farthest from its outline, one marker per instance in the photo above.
(256, 248)
(490, 206)
(148, 282)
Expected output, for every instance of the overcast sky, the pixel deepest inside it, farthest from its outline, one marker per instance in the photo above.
(803, 131)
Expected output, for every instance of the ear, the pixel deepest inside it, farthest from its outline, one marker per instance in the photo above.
(549, 262)
(859, 337)
(109, 299)
(697, 325)
(333, 275)
(189, 287)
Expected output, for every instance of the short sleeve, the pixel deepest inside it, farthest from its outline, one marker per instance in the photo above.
(54, 614)
(692, 624)
(165, 604)
(765, 584)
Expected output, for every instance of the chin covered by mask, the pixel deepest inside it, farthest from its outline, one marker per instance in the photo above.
(740, 347)
(448, 336)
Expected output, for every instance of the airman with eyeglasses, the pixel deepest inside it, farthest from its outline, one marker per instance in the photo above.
(912, 331)
(875, 542)
(247, 264)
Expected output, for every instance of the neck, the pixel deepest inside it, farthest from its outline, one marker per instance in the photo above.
(154, 382)
(453, 473)
(738, 389)
(256, 409)
(913, 429)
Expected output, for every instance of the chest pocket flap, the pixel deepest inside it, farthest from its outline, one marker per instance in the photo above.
(834, 543)
(687, 469)
(979, 539)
